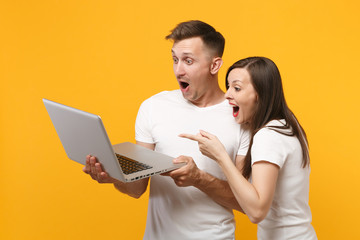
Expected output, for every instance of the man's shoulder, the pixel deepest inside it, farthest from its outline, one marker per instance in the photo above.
(165, 96)
(162, 103)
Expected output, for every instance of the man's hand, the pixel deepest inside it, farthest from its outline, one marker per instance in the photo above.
(133, 189)
(94, 169)
(187, 175)
(191, 175)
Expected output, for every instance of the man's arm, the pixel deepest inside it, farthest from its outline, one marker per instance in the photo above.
(217, 189)
(133, 189)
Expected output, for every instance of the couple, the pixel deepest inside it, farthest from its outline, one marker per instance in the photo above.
(257, 164)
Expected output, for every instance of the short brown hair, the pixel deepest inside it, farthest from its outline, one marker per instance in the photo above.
(195, 28)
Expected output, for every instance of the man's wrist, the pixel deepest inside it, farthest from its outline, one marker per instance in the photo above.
(119, 185)
(203, 179)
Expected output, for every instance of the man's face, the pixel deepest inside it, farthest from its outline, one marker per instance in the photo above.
(192, 64)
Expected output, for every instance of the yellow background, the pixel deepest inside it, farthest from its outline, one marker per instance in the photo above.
(106, 57)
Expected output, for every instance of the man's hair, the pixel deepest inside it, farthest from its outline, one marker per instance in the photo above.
(195, 28)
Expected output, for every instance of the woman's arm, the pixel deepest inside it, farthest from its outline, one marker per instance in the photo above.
(254, 198)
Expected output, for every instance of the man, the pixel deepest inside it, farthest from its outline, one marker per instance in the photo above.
(194, 201)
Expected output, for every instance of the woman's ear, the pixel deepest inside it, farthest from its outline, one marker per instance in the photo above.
(216, 65)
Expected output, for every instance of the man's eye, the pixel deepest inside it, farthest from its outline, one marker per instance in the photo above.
(188, 61)
(175, 60)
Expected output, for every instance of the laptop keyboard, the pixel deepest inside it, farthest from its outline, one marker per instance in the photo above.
(130, 166)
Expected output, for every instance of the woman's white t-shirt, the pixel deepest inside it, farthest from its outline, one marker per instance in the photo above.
(289, 216)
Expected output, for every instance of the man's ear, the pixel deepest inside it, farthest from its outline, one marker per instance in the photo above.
(216, 65)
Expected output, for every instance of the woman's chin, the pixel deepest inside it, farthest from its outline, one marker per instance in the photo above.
(241, 121)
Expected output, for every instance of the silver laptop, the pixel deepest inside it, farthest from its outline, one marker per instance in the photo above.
(82, 133)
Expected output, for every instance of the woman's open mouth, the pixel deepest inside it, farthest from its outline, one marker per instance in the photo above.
(235, 111)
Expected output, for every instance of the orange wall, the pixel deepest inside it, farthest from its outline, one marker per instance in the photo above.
(106, 57)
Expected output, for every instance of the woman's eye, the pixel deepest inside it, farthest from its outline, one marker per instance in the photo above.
(237, 89)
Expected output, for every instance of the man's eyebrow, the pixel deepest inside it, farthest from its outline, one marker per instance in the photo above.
(183, 54)
(188, 54)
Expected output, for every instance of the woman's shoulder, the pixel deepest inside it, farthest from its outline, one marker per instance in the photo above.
(276, 123)
(276, 130)
(272, 126)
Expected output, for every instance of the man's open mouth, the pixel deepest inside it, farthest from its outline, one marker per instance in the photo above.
(183, 85)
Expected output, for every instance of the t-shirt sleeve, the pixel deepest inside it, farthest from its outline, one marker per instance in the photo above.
(268, 146)
(143, 123)
(244, 142)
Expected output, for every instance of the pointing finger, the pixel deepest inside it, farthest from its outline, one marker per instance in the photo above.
(191, 137)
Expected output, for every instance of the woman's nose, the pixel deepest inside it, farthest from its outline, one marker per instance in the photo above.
(228, 95)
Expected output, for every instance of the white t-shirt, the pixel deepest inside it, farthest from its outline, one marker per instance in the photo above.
(186, 212)
(289, 216)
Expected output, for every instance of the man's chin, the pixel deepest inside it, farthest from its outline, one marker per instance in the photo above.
(187, 96)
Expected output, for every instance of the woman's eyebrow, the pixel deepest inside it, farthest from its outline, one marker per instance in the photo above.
(236, 81)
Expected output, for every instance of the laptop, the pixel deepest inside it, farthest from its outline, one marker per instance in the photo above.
(82, 133)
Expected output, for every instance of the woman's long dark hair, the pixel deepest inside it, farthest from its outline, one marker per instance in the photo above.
(271, 105)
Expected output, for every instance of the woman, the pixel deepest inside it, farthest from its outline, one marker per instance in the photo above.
(277, 162)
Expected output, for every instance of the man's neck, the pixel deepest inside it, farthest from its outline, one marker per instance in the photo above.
(212, 97)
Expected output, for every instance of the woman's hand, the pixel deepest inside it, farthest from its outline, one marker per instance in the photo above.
(209, 144)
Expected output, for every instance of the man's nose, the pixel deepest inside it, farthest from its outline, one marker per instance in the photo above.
(179, 69)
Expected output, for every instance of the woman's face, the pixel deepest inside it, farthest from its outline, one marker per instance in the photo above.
(241, 95)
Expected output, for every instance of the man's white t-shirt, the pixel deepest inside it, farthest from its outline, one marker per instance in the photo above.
(186, 212)
(289, 216)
